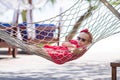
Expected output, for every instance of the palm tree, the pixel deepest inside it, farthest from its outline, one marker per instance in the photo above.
(24, 12)
(86, 15)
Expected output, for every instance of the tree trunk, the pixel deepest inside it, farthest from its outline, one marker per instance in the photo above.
(78, 23)
(30, 26)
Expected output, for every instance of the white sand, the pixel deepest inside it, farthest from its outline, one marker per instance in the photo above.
(32, 67)
(94, 65)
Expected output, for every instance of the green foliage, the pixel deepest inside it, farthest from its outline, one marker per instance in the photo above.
(52, 1)
(89, 0)
(24, 15)
(115, 2)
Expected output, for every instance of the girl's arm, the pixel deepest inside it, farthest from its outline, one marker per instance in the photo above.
(68, 44)
(78, 50)
(72, 48)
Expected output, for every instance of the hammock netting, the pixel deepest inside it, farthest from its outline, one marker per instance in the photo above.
(94, 15)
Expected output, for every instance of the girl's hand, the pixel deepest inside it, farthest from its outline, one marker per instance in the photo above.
(78, 50)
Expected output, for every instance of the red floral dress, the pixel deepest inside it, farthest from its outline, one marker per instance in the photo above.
(61, 54)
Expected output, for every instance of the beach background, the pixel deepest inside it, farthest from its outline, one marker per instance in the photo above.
(94, 65)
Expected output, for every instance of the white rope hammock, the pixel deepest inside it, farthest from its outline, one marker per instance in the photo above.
(101, 20)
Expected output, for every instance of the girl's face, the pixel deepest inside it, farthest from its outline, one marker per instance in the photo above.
(83, 39)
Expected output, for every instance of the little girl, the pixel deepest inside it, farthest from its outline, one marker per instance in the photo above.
(69, 50)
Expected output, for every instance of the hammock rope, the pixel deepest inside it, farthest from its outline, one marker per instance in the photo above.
(93, 15)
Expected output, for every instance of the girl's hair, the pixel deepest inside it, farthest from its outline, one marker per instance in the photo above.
(87, 32)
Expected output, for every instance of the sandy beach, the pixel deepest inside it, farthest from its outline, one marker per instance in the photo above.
(94, 65)
(32, 67)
